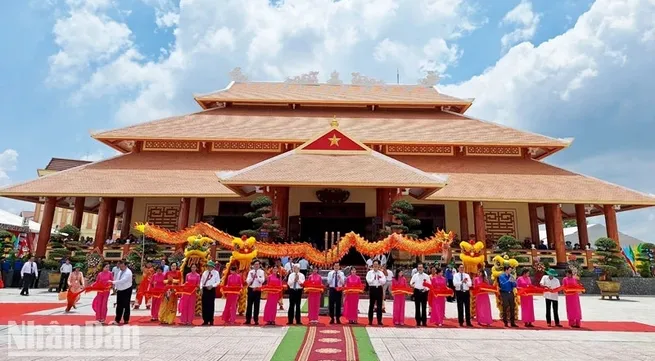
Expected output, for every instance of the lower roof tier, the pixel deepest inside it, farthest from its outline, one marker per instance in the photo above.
(168, 174)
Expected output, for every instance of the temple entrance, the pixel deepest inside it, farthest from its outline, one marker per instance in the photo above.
(318, 218)
(432, 217)
(230, 217)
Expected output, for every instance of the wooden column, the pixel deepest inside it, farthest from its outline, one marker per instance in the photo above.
(534, 224)
(127, 217)
(480, 227)
(101, 226)
(558, 233)
(111, 218)
(581, 221)
(550, 235)
(78, 212)
(200, 209)
(611, 224)
(463, 221)
(281, 207)
(183, 220)
(46, 225)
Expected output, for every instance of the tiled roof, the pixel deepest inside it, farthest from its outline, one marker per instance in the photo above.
(370, 169)
(271, 124)
(520, 180)
(326, 93)
(59, 164)
(154, 174)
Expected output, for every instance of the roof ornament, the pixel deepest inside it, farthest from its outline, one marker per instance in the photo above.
(334, 79)
(431, 79)
(237, 75)
(334, 123)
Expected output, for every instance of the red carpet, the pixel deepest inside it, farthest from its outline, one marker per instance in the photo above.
(333, 342)
(17, 312)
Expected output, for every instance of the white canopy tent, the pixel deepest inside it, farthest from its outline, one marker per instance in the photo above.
(14, 222)
(595, 231)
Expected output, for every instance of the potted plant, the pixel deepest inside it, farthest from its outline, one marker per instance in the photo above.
(612, 264)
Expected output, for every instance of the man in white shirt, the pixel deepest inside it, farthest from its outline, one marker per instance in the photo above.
(295, 282)
(462, 283)
(123, 284)
(375, 279)
(65, 271)
(255, 281)
(28, 273)
(304, 266)
(420, 295)
(382, 258)
(550, 281)
(369, 263)
(387, 286)
(335, 279)
(209, 281)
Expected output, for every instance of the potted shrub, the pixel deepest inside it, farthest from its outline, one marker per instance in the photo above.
(612, 264)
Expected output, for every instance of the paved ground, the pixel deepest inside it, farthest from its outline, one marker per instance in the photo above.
(249, 344)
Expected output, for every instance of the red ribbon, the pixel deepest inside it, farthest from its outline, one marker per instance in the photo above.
(353, 289)
(484, 288)
(441, 291)
(98, 287)
(313, 287)
(272, 289)
(402, 290)
(231, 290)
(531, 291)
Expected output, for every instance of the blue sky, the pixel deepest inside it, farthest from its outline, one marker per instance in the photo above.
(563, 68)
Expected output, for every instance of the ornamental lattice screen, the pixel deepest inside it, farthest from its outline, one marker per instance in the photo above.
(500, 222)
(163, 215)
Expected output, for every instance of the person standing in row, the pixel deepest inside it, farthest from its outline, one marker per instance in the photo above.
(28, 273)
(231, 299)
(438, 302)
(123, 285)
(64, 271)
(99, 304)
(462, 283)
(314, 298)
(336, 280)
(141, 291)
(156, 283)
(375, 279)
(527, 301)
(420, 295)
(187, 306)
(270, 307)
(75, 287)
(573, 309)
(209, 280)
(550, 282)
(507, 284)
(295, 282)
(255, 280)
(398, 282)
(351, 300)
(482, 302)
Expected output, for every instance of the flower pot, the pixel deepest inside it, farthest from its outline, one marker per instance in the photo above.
(609, 289)
(53, 280)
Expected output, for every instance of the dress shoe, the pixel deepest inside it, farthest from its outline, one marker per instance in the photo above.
(332, 322)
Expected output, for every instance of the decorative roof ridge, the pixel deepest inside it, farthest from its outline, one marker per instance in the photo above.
(227, 174)
(441, 178)
(218, 91)
(65, 171)
(566, 142)
(98, 134)
(647, 195)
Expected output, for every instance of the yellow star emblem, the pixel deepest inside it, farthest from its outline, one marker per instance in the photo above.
(334, 140)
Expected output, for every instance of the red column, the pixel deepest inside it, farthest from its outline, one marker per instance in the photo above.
(78, 212)
(611, 223)
(581, 220)
(558, 234)
(127, 217)
(183, 220)
(550, 235)
(463, 221)
(46, 225)
(111, 218)
(281, 206)
(200, 209)
(101, 226)
(534, 224)
(480, 228)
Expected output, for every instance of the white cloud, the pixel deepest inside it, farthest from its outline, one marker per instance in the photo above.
(525, 21)
(8, 162)
(435, 55)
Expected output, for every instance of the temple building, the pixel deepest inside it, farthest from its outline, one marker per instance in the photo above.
(333, 158)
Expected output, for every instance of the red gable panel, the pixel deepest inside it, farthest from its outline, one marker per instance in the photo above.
(334, 140)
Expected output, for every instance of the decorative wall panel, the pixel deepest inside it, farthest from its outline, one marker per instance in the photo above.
(239, 146)
(171, 145)
(419, 149)
(500, 222)
(492, 150)
(163, 215)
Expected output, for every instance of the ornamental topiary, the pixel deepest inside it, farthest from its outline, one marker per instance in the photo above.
(402, 221)
(609, 259)
(263, 222)
(508, 244)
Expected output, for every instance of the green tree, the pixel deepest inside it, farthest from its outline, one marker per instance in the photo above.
(152, 252)
(73, 233)
(6, 245)
(508, 244)
(262, 220)
(570, 223)
(610, 259)
(403, 221)
(644, 260)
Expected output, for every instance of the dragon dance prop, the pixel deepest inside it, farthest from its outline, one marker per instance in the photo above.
(496, 270)
(404, 290)
(472, 258)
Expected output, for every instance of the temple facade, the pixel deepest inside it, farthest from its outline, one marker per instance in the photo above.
(333, 158)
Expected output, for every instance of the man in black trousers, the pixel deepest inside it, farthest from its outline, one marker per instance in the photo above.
(375, 279)
(209, 281)
(420, 295)
(336, 279)
(28, 273)
(462, 283)
(255, 281)
(295, 282)
(123, 284)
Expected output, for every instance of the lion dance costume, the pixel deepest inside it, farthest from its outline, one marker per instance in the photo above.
(472, 258)
(196, 252)
(241, 258)
(498, 268)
